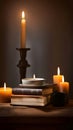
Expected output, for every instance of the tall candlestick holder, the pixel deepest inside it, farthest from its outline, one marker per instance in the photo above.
(23, 64)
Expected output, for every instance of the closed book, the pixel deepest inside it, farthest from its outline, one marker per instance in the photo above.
(29, 100)
(36, 86)
(32, 91)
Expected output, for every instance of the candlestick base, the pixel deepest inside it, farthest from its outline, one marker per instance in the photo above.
(23, 64)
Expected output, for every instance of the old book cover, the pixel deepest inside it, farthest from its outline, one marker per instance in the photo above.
(30, 100)
(33, 91)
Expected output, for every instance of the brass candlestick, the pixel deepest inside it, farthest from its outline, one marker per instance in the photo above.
(23, 64)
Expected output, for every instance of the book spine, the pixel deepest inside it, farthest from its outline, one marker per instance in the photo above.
(23, 91)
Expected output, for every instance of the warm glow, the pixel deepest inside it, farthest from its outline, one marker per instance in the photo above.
(34, 76)
(4, 86)
(23, 14)
(58, 71)
(62, 78)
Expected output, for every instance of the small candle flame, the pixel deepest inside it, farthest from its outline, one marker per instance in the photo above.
(4, 86)
(34, 76)
(58, 70)
(62, 78)
(23, 14)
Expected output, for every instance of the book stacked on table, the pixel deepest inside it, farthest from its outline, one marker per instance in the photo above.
(32, 94)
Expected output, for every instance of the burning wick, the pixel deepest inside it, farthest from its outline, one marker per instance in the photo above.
(62, 78)
(34, 76)
(4, 86)
(58, 71)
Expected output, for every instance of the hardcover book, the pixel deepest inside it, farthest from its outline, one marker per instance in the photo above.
(30, 100)
(40, 90)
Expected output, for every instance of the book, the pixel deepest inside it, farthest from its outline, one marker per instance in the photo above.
(36, 86)
(29, 100)
(33, 91)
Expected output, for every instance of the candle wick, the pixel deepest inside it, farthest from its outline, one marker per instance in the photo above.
(62, 78)
(4, 86)
(58, 71)
(34, 76)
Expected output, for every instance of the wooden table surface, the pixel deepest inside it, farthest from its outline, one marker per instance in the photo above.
(20, 117)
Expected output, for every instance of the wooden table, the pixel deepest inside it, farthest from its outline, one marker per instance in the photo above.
(36, 118)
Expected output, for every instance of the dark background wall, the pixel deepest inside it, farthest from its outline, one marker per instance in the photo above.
(49, 36)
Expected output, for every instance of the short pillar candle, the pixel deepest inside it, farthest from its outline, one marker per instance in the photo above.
(5, 94)
(57, 78)
(64, 86)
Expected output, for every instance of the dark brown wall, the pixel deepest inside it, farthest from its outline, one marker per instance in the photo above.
(49, 35)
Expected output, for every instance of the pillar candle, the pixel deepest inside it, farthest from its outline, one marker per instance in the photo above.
(23, 30)
(64, 86)
(5, 94)
(57, 78)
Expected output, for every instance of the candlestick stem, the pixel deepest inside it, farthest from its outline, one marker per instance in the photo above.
(23, 64)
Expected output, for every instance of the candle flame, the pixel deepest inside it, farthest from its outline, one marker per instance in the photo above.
(4, 86)
(23, 14)
(34, 76)
(58, 70)
(62, 78)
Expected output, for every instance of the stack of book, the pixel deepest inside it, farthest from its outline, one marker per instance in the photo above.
(32, 95)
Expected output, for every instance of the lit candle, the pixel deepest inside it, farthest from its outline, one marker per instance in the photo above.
(57, 78)
(5, 93)
(64, 86)
(23, 30)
